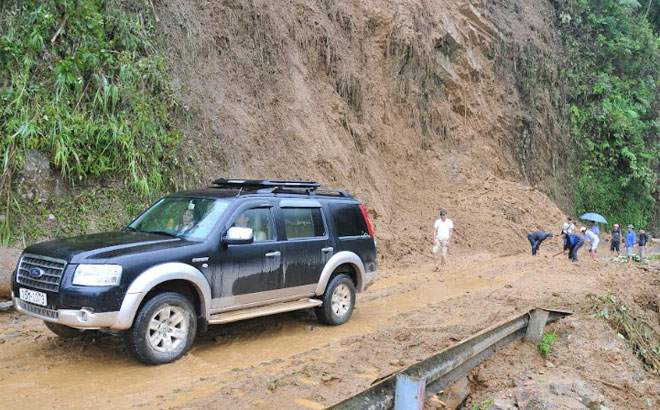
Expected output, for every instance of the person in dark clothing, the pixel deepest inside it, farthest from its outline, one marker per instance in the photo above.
(616, 239)
(535, 238)
(641, 245)
(572, 243)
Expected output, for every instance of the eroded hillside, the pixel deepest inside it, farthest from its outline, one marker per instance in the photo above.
(410, 105)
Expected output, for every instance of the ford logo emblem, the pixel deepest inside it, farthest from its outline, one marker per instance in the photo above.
(36, 272)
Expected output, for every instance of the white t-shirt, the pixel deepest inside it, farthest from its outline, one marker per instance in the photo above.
(569, 228)
(591, 237)
(443, 229)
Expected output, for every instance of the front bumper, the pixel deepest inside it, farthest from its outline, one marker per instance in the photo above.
(78, 318)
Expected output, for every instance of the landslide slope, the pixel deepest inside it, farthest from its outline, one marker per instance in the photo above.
(410, 105)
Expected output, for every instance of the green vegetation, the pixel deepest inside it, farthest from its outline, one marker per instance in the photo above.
(484, 405)
(81, 81)
(614, 104)
(545, 345)
(624, 258)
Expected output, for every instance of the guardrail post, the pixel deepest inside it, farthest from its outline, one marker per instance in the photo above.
(536, 325)
(409, 393)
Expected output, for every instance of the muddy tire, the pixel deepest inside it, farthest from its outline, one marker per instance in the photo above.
(65, 332)
(163, 330)
(338, 301)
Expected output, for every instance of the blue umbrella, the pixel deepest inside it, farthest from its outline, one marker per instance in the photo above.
(591, 216)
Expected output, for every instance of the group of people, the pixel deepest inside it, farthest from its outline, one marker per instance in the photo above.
(573, 240)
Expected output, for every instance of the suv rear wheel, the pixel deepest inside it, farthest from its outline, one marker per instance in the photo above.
(163, 330)
(338, 301)
(65, 332)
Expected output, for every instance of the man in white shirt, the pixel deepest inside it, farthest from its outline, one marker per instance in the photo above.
(569, 226)
(444, 231)
(592, 238)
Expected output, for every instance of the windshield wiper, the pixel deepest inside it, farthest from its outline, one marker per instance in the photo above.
(163, 233)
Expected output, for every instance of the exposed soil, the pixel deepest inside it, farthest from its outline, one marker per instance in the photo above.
(290, 361)
(410, 105)
(403, 104)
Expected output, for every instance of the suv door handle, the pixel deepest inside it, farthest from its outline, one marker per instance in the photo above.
(326, 250)
(273, 254)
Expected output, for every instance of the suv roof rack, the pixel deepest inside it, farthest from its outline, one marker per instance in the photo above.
(264, 183)
(333, 192)
(267, 186)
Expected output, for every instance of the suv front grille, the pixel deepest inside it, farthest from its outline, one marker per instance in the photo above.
(49, 274)
(37, 310)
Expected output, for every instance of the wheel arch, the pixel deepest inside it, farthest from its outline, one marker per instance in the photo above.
(172, 276)
(342, 262)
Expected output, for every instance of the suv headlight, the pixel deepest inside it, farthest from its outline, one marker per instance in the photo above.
(97, 275)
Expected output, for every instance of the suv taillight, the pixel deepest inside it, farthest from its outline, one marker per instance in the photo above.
(366, 219)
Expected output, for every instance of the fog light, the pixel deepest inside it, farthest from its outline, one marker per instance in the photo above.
(83, 315)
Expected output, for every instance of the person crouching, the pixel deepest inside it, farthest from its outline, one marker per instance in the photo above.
(572, 243)
(535, 238)
(591, 237)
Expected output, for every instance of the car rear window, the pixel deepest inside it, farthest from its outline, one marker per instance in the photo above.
(303, 222)
(348, 221)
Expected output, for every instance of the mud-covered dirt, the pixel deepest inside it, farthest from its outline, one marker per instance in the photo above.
(289, 361)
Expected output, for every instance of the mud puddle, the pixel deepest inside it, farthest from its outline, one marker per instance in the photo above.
(297, 337)
(38, 368)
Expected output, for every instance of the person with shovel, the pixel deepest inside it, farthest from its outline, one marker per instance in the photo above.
(572, 243)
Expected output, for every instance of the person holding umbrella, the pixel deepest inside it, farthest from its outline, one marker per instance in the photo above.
(594, 217)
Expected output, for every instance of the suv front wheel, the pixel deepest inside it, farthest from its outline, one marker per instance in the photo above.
(163, 330)
(338, 301)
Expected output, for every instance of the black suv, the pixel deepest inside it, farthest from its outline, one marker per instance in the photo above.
(236, 250)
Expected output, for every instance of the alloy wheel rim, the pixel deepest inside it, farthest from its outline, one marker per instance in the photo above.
(341, 300)
(168, 329)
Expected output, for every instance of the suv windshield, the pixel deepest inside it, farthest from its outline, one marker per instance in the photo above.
(181, 216)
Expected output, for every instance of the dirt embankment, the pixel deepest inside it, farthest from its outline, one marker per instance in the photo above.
(412, 106)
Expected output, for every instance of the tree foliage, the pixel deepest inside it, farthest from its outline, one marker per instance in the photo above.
(81, 81)
(614, 105)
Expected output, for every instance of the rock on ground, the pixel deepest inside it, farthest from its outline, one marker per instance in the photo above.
(8, 259)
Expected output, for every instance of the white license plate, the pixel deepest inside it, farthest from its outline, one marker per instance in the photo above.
(32, 296)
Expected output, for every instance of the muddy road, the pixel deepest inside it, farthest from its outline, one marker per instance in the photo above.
(289, 360)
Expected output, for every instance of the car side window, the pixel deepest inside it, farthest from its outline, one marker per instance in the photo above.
(260, 220)
(303, 222)
(348, 221)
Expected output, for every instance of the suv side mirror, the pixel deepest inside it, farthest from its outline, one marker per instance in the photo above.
(237, 235)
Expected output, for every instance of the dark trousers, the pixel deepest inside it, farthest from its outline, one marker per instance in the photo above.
(614, 246)
(535, 244)
(574, 249)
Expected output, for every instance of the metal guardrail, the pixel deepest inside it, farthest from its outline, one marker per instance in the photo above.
(416, 383)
